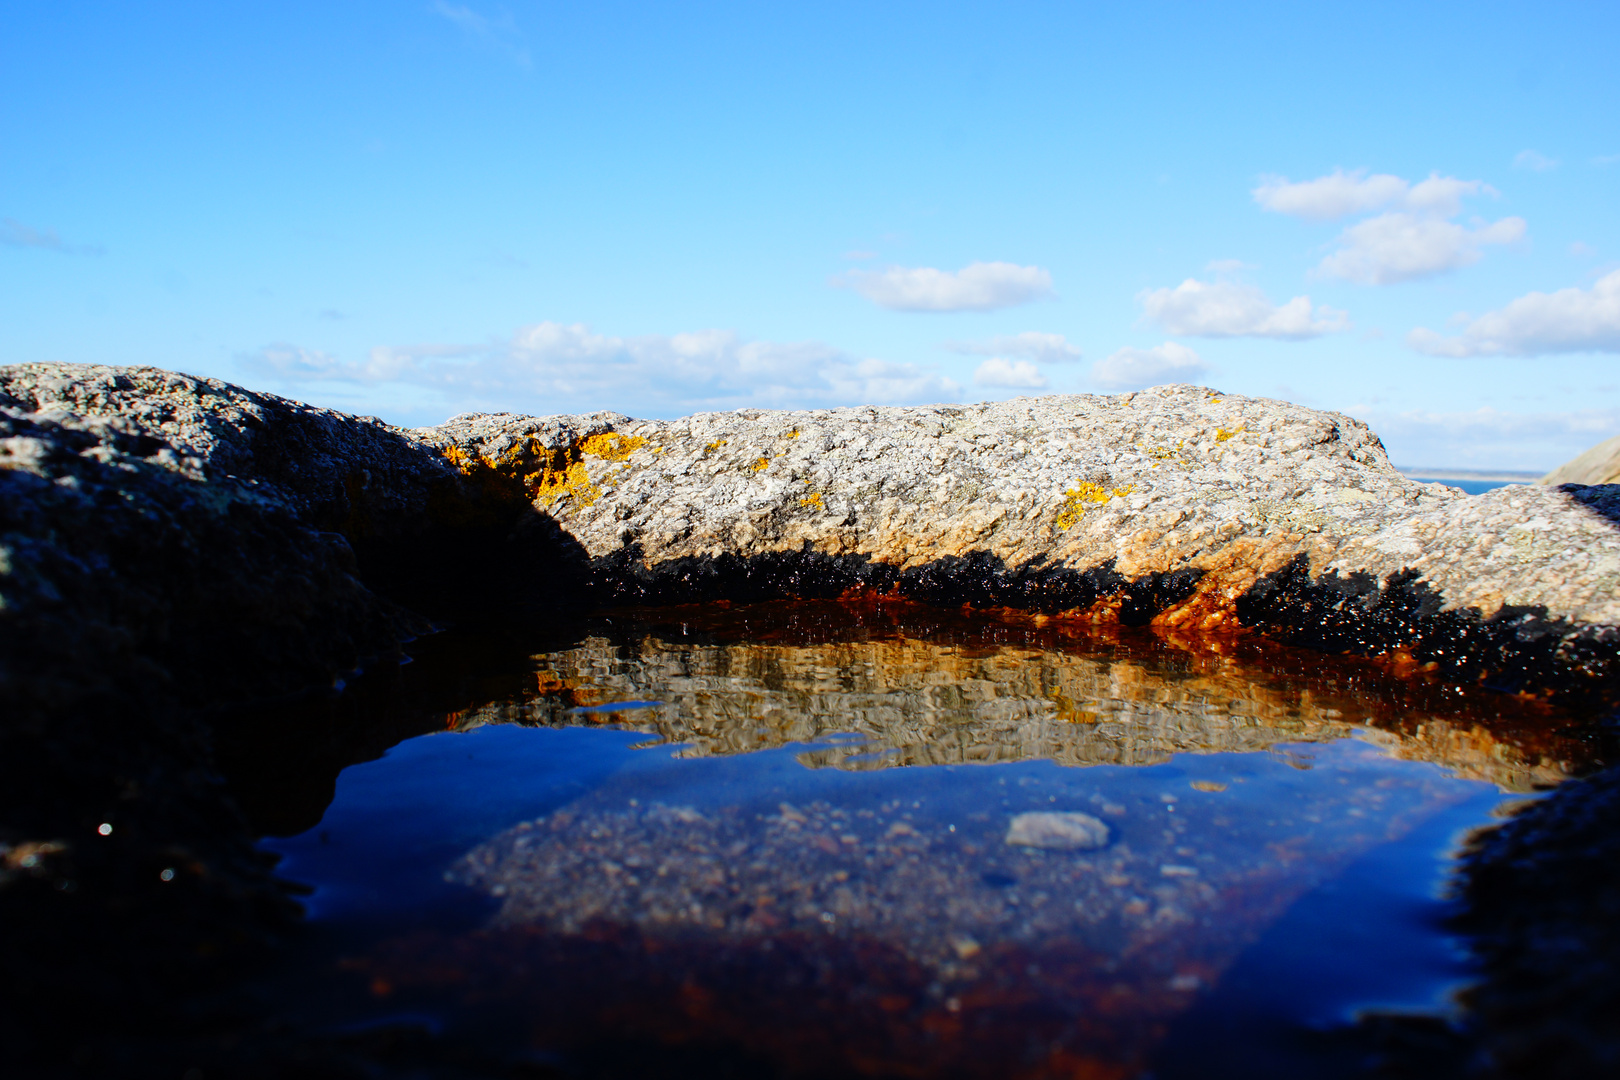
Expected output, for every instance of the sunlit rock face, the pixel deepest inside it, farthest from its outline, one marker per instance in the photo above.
(1178, 479)
(1597, 465)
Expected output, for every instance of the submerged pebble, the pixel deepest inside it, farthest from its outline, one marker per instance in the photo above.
(1057, 831)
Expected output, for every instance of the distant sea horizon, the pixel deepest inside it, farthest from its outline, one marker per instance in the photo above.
(1473, 481)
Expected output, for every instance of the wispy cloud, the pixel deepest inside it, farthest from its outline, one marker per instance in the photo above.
(1344, 194)
(14, 233)
(1488, 438)
(1009, 375)
(1533, 161)
(1537, 324)
(499, 32)
(1030, 345)
(1229, 309)
(551, 367)
(1412, 238)
(980, 286)
(1134, 369)
(1398, 247)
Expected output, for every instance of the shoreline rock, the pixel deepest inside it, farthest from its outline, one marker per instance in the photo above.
(1599, 465)
(1177, 506)
(172, 547)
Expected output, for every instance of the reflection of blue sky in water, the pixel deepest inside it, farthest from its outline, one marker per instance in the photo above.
(1206, 852)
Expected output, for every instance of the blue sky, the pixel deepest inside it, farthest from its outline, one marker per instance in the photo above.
(1404, 212)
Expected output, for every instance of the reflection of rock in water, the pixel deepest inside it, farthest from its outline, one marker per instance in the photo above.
(923, 702)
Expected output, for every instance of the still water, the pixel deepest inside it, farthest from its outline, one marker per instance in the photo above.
(886, 840)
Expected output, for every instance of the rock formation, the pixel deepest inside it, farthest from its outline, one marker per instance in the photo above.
(174, 547)
(1599, 465)
(1177, 506)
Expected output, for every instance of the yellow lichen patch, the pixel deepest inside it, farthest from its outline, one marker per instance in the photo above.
(712, 447)
(1221, 434)
(794, 434)
(552, 484)
(760, 465)
(812, 499)
(611, 446)
(1163, 453)
(1084, 493)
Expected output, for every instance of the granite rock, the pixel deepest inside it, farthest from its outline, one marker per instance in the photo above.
(1195, 510)
(1599, 465)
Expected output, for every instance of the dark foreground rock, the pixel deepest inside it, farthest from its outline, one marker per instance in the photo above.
(174, 551)
(1543, 912)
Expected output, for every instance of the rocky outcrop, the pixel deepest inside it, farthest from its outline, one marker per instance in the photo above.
(151, 504)
(172, 547)
(1178, 506)
(1599, 465)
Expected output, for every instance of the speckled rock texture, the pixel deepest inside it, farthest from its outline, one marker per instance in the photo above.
(1178, 506)
(1599, 465)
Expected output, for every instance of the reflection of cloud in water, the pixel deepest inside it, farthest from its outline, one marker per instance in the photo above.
(922, 702)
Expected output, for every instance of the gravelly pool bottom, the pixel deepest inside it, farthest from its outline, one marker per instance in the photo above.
(814, 921)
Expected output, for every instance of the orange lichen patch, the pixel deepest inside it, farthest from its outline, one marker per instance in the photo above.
(712, 447)
(611, 446)
(1083, 493)
(573, 480)
(542, 475)
(760, 465)
(812, 499)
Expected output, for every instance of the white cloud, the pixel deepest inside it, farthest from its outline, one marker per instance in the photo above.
(1488, 438)
(1536, 324)
(1414, 236)
(14, 233)
(1341, 194)
(1009, 374)
(979, 286)
(1133, 369)
(1535, 162)
(1228, 309)
(1031, 345)
(1398, 246)
(552, 367)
